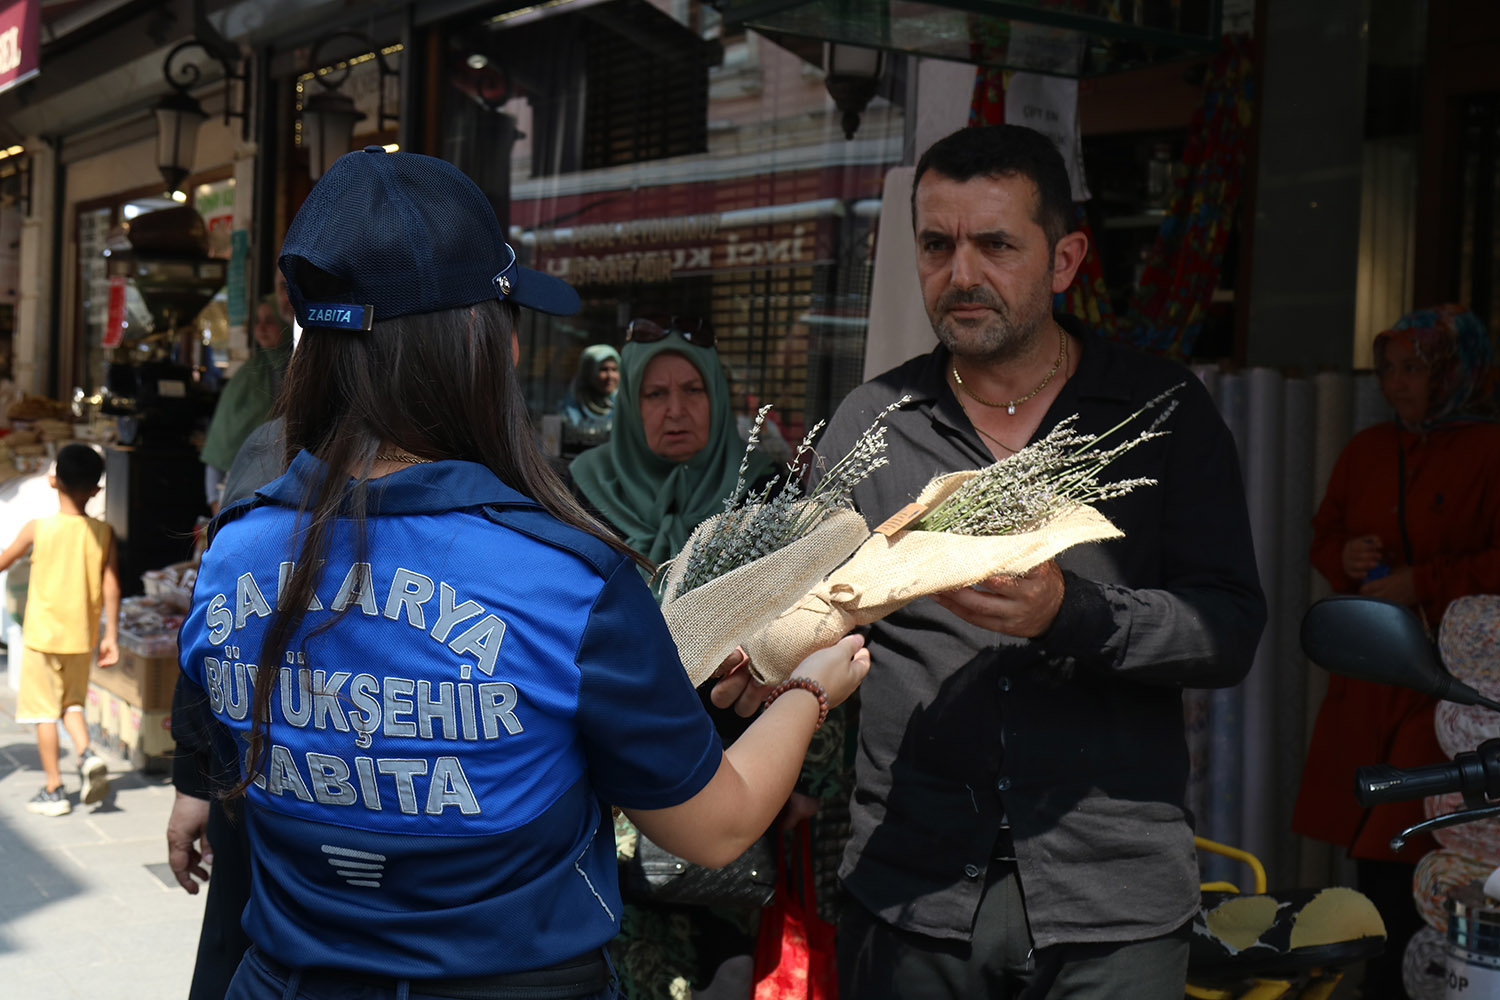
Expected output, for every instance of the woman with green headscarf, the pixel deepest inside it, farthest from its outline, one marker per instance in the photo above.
(673, 457)
(674, 454)
(246, 401)
(588, 414)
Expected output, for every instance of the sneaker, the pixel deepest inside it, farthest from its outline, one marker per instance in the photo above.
(53, 803)
(94, 774)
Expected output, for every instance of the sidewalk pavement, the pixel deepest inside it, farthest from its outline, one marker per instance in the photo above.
(88, 907)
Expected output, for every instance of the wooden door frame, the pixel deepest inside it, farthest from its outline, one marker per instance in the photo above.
(1461, 62)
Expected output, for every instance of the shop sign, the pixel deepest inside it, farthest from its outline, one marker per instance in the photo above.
(1049, 104)
(114, 324)
(215, 204)
(20, 41)
(631, 252)
(235, 305)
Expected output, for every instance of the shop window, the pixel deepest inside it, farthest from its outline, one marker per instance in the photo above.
(101, 225)
(641, 106)
(615, 83)
(1132, 176)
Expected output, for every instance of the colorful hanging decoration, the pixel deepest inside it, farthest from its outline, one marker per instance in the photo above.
(1183, 265)
(1166, 313)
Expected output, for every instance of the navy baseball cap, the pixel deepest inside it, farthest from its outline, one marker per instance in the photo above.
(402, 233)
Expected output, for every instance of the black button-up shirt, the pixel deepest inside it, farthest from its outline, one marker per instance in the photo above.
(1075, 738)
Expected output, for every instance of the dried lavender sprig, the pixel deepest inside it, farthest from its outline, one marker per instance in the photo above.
(753, 526)
(1060, 470)
(753, 440)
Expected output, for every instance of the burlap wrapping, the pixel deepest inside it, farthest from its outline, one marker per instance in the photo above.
(780, 620)
(708, 621)
(886, 574)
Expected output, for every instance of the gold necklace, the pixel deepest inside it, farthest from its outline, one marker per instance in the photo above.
(404, 457)
(1010, 408)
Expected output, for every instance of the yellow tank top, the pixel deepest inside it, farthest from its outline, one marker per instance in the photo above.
(67, 584)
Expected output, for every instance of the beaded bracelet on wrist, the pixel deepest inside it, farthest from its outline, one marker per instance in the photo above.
(806, 684)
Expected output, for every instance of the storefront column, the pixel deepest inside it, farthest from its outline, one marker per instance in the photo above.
(30, 346)
(1310, 100)
(241, 273)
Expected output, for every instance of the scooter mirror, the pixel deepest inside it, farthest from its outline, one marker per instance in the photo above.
(1374, 640)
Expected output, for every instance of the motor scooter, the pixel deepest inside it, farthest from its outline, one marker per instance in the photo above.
(1376, 640)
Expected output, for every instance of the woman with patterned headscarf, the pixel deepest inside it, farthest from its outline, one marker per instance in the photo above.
(1412, 514)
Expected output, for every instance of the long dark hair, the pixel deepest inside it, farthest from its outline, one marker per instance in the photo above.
(438, 385)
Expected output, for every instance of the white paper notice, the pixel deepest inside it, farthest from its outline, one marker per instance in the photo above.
(1049, 104)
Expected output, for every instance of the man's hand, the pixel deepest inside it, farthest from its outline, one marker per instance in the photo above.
(1361, 555)
(1399, 586)
(736, 687)
(188, 824)
(1023, 606)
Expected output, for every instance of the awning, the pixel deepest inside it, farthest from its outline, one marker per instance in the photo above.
(1081, 39)
(675, 230)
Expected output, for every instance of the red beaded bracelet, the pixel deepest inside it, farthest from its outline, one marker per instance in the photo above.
(806, 684)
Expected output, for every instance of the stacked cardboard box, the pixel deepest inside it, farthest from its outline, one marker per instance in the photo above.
(143, 680)
(142, 738)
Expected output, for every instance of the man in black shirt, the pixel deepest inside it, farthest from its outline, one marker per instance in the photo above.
(1019, 827)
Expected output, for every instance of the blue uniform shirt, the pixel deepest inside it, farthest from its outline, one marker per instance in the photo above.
(432, 801)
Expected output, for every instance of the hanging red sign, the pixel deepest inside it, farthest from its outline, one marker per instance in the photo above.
(114, 325)
(20, 41)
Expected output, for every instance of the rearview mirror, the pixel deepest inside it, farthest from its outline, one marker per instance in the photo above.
(1381, 641)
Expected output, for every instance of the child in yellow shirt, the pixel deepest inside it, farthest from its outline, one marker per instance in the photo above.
(73, 574)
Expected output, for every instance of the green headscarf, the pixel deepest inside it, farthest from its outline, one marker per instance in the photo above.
(655, 504)
(246, 401)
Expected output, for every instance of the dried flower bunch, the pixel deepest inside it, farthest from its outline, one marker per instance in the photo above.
(1023, 491)
(755, 525)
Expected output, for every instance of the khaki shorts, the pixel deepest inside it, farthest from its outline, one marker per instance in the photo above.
(51, 684)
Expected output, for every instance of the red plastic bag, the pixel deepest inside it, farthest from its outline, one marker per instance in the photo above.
(794, 953)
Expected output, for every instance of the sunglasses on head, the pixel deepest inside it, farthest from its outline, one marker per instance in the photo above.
(693, 329)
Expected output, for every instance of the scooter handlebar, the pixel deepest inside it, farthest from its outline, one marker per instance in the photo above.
(1380, 783)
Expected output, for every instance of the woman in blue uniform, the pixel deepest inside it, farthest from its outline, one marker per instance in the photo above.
(432, 669)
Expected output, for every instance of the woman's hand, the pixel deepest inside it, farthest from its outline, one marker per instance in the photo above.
(840, 668)
(798, 809)
(1399, 586)
(1361, 555)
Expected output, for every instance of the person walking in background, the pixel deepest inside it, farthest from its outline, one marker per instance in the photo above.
(588, 412)
(1018, 816)
(246, 401)
(1412, 515)
(424, 753)
(74, 576)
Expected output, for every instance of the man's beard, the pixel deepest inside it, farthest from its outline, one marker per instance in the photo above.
(1009, 334)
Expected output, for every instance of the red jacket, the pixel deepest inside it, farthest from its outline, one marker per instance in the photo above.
(1452, 514)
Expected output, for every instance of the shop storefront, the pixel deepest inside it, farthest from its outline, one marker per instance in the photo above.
(640, 153)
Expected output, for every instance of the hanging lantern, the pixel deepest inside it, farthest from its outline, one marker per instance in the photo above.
(177, 119)
(328, 120)
(852, 75)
